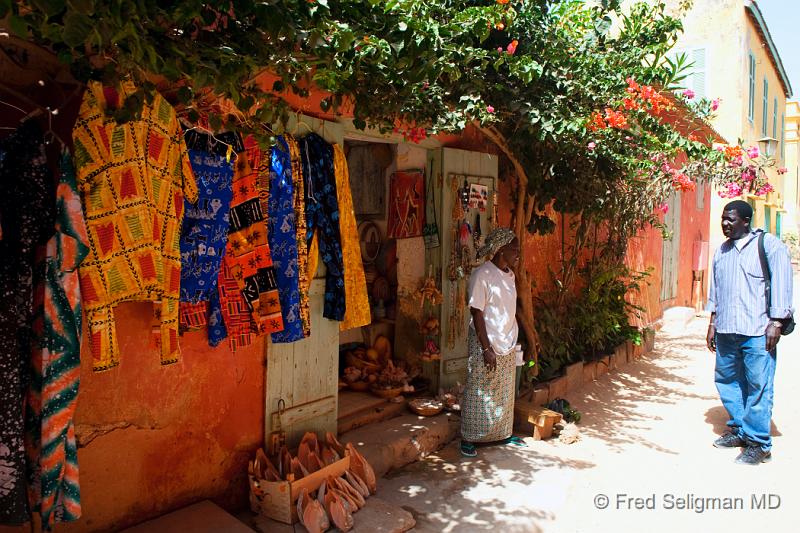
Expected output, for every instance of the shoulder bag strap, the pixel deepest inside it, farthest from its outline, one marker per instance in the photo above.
(762, 255)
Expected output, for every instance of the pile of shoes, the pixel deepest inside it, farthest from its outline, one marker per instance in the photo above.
(337, 498)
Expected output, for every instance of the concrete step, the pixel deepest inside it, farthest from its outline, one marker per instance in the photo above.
(394, 443)
(358, 409)
(202, 517)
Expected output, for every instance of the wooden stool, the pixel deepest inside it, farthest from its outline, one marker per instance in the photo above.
(543, 421)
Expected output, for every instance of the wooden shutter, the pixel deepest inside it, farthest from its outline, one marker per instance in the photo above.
(751, 101)
(698, 76)
(764, 108)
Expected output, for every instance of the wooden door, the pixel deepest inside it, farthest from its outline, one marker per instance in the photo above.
(670, 249)
(304, 374)
(477, 168)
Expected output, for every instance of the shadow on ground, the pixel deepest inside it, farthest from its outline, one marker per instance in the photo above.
(448, 492)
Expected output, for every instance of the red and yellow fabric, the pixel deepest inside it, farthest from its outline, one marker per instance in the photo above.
(355, 284)
(304, 275)
(133, 178)
(247, 256)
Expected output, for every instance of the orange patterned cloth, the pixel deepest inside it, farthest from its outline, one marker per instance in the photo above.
(304, 276)
(133, 178)
(355, 284)
(247, 257)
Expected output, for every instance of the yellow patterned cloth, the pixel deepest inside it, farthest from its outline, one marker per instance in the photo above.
(133, 178)
(304, 276)
(355, 284)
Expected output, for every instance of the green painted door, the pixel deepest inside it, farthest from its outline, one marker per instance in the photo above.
(778, 217)
(767, 218)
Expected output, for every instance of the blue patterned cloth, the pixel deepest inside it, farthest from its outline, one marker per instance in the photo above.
(322, 217)
(204, 236)
(282, 235)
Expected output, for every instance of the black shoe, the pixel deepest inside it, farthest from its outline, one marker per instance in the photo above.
(729, 440)
(753, 455)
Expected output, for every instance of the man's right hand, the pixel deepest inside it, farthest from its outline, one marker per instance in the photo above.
(711, 342)
(490, 360)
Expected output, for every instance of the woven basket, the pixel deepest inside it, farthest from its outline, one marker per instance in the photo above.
(425, 406)
(386, 393)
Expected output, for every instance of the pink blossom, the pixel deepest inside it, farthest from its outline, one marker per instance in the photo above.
(500, 49)
(764, 189)
(782, 170)
(591, 145)
(663, 207)
(732, 190)
(714, 104)
(688, 93)
(512, 47)
(752, 152)
(489, 109)
(749, 174)
(737, 161)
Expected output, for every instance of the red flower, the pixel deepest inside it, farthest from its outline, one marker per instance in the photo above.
(512, 47)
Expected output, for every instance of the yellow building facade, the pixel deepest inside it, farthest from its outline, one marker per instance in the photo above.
(791, 180)
(736, 61)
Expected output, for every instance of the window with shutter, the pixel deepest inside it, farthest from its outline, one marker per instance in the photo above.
(751, 102)
(775, 118)
(699, 72)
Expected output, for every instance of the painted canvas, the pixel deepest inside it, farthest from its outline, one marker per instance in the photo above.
(406, 204)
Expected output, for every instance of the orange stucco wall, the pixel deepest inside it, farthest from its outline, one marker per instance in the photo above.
(156, 438)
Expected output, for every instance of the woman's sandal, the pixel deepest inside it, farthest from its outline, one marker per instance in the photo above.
(468, 449)
(514, 441)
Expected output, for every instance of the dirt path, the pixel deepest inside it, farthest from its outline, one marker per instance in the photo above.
(646, 433)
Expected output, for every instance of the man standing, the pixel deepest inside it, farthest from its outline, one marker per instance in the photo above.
(487, 409)
(743, 333)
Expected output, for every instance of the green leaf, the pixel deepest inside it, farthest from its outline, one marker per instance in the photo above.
(77, 28)
(85, 7)
(18, 25)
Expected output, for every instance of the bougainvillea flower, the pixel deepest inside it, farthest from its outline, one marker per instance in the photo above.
(714, 104)
(688, 93)
(512, 47)
(752, 152)
(489, 109)
(749, 174)
(591, 145)
(502, 2)
(616, 119)
(782, 170)
(732, 190)
(764, 189)
(663, 207)
(596, 122)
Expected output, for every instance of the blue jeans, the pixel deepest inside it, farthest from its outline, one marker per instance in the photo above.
(745, 378)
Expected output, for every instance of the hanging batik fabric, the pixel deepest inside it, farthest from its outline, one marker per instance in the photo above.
(248, 261)
(355, 284)
(322, 217)
(56, 363)
(303, 279)
(205, 231)
(133, 178)
(27, 212)
(282, 232)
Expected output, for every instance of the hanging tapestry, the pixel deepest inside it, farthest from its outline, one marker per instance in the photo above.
(282, 232)
(28, 213)
(56, 363)
(406, 204)
(205, 226)
(357, 312)
(303, 279)
(248, 255)
(322, 217)
(133, 178)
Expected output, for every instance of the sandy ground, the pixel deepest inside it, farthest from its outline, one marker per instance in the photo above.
(646, 433)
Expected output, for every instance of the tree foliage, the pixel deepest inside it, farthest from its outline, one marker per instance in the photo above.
(572, 92)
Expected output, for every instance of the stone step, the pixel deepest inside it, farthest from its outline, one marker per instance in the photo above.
(202, 517)
(359, 409)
